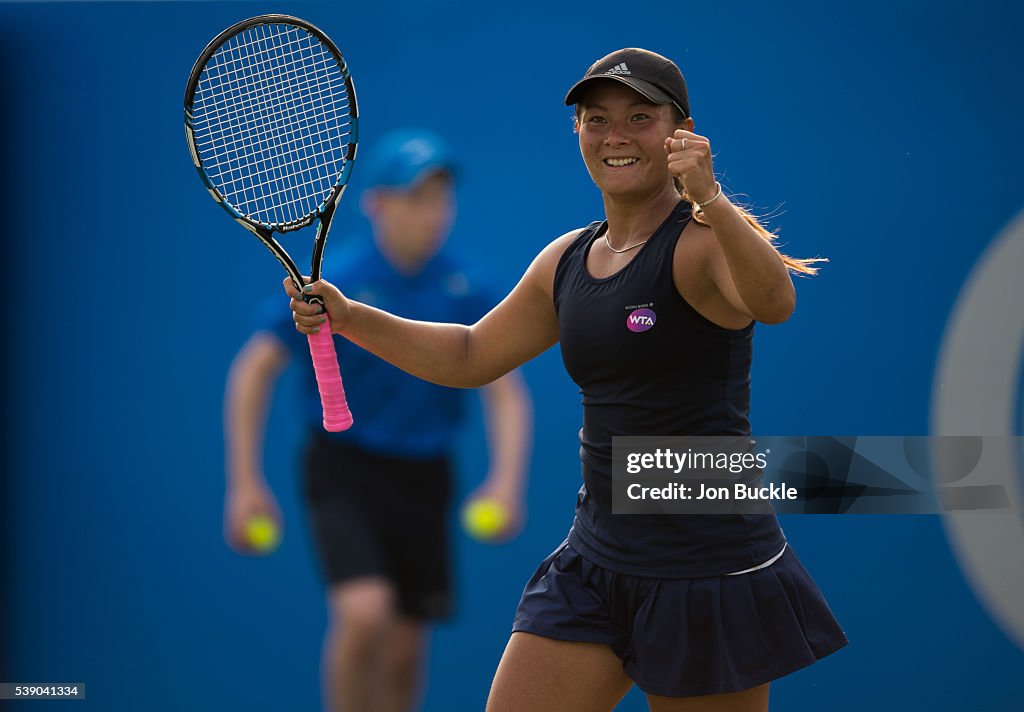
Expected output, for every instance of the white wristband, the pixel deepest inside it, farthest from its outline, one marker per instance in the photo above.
(716, 196)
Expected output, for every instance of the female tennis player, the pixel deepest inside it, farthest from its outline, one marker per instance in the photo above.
(701, 613)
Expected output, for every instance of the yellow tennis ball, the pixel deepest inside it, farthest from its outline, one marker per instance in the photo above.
(484, 518)
(262, 534)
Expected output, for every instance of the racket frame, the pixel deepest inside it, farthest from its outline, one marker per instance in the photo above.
(337, 416)
(325, 212)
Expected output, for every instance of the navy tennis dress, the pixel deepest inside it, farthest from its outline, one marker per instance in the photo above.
(692, 604)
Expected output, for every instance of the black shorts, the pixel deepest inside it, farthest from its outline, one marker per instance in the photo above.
(375, 515)
(685, 637)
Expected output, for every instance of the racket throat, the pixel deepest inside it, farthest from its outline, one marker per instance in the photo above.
(321, 238)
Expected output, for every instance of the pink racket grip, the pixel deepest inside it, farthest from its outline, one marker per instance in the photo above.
(337, 416)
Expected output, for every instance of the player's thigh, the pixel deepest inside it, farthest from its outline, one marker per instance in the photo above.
(752, 700)
(538, 674)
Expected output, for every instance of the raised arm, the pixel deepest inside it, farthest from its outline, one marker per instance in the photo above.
(747, 269)
(522, 326)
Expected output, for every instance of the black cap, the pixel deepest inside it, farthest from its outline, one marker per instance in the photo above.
(655, 77)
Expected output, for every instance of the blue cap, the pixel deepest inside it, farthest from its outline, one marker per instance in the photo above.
(401, 159)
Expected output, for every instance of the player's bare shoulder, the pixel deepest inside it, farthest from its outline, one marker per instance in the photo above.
(542, 271)
(697, 236)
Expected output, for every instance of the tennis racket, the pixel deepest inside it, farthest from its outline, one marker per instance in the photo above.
(271, 123)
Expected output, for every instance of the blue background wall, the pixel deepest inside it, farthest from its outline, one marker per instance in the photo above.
(886, 135)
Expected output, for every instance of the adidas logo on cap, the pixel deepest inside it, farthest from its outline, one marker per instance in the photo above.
(619, 69)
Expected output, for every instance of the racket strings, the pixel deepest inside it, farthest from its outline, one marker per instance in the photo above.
(240, 111)
(280, 124)
(254, 105)
(270, 116)
(235, 149)
(268, 91)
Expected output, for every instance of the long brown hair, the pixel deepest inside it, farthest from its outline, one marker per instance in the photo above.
(796, 265)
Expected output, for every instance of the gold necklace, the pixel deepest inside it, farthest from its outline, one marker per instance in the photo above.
(624, 249)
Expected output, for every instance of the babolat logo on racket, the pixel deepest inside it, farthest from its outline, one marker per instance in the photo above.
(640, 319)
(619, 69)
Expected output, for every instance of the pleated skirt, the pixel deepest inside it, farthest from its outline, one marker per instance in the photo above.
(685, 637)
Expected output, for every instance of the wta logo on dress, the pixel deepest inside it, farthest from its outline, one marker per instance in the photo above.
(641, 320)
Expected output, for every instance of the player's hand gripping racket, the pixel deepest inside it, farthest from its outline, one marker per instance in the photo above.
(271, 122)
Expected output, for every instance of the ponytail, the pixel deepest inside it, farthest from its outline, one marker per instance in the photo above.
(793, 264)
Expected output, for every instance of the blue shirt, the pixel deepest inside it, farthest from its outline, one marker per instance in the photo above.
(394, 413)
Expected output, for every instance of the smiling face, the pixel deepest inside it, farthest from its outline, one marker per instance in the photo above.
(622, 139)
